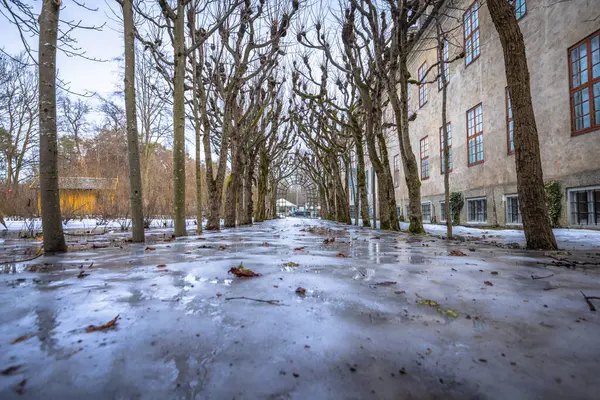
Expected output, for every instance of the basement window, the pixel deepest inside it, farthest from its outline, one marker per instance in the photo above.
(477, 210)
(426, 212)
(584, 206)
(513, 213)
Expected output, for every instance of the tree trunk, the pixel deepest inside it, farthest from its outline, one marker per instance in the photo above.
(54, 239)
(133, 151)
(530, 179)
(233, 183)
(179, 121)
(446, 150)
(263, 174)
(248, 201)
(361, 179)
(389, 203)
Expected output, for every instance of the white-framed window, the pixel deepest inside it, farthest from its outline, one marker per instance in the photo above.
(477, 210)
(513, 213)
(426, 210)
(443, 211)
(584, 206)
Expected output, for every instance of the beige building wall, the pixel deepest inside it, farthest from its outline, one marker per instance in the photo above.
(574, 161)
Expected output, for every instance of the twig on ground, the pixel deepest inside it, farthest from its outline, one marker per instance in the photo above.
(273, 302)
(534, 277)
(587, 300)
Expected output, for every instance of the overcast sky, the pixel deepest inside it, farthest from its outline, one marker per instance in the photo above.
(83, 75)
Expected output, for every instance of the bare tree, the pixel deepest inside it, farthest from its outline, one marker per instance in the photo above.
(135, 176)
(530, 179)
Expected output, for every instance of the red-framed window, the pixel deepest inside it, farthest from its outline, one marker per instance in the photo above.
(449, 129)
(446, 67)
(584, 71)
(422, 86)
(471, 33)
(424, 153)
(475, 135)
(520, 7)
(510, 125)
(396, 170)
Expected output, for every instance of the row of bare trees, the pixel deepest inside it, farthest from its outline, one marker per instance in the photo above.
(223, 68)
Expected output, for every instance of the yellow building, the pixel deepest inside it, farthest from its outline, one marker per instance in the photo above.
(81, 196)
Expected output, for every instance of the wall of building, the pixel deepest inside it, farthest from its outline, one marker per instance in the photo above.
(574, 161)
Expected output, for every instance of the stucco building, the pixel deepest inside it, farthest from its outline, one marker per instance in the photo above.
(563, 50)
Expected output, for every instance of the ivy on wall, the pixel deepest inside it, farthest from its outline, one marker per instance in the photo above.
(553, 201)
(457, 201)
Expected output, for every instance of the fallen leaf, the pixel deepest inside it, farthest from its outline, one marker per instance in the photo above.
(301, 291)
(205, 246)
(222, 247)
(201, 238)
(161, 266)
(10, 369)
(483, 360)
(328, 241)
(471, 249)
(386, 283)
(154, 284)
(82, 274)
(457, 253)
(400, 291)
(488, 283)
(242, 272)
(299, 248)
(219, 294)
(342, 255)
(150, 248)
(110, 324)
(275, 286)
(494, 272)
(266, 244)
(291, 264)
(20, 339)
(20, 389)
(306, 346)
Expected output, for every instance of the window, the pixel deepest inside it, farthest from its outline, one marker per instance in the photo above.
(475, 135)
(477, 210)
(584, 69)
(520, 7)
(510, 125)
(426, 212)
(443, 211)
(407, 211)
(513, 214)
(584, 206)
(471, 30)
(396, 170)
(424, 145)
(423, 85)
(449, 129)
(446, 67)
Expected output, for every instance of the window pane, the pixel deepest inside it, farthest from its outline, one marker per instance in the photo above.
(476, 44)
(596, 57)
(597, 102)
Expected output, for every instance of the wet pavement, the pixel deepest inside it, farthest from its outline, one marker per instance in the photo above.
(384, 316)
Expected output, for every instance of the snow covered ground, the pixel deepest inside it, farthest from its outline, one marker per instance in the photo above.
(384, 315)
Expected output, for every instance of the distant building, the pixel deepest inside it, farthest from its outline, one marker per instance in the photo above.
(563, 50)
(81, 196)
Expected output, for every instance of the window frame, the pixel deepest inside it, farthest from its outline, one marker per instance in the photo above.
(449, 124)
(424, 158)
(472, 33)
(595, 125)
(396, 170)
(422, 86)
(594, 212)
(506, 214)
(485, 210)
(427, 203)
(475, 135)
(513, 3)
(446, 55)
(509, 118)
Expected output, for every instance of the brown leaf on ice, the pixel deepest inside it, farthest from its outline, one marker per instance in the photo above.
(11, 369)
(341, 255)
(386, 283)
(161, 266)
(301, 291)
(20, 339)
(299, 248)
(109, 325)
(150, 248)
(457, 253)
(242, 272)
(488, 283)
(82, 274)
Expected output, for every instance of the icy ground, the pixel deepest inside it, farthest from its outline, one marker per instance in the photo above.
(384, 316)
